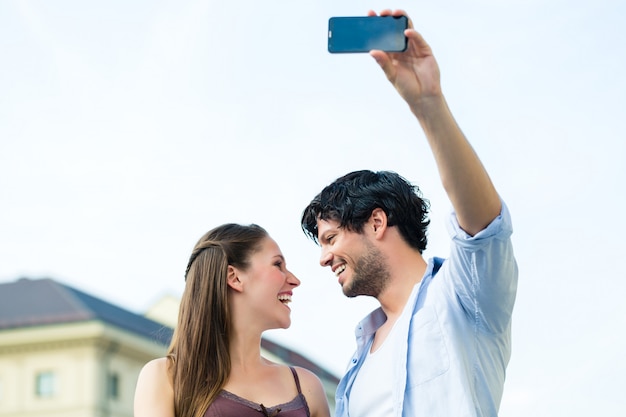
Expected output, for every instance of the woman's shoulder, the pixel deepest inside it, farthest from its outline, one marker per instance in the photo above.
(314, 391)
(155, 367)
(306, 375)
(154, 395)
(308, 380)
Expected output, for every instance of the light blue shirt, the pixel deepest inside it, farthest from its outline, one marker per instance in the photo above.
(459, 332)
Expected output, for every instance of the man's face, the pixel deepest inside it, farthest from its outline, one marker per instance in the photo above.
(356, 262)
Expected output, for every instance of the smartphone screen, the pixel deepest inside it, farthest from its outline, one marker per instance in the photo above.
(364, 33)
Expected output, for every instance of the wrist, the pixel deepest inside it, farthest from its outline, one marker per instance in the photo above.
(428, 106)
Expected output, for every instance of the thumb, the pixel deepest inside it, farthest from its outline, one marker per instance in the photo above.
(384, 61)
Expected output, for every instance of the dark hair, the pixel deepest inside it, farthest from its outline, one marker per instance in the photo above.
(351, 199)
(199, 359)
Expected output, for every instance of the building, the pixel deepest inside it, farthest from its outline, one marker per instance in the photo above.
(65, 353)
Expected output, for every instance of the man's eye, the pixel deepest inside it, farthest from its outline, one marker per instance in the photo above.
(329, 239)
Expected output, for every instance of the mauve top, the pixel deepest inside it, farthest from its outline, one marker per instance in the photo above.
(228, 404)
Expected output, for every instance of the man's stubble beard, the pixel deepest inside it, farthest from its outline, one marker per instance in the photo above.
(370, 274)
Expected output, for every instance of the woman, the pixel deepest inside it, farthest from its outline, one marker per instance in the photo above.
(237, 286)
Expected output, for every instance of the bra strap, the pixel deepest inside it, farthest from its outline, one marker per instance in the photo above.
(295, 376)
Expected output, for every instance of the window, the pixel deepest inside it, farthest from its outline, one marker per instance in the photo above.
(45, 384)
(113, 386)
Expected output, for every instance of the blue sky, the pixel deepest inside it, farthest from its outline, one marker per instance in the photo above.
(128, 129)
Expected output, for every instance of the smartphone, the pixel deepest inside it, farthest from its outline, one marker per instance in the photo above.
(351, 34)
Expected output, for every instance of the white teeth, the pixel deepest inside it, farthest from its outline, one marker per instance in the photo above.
(340, 270)
(284, 298)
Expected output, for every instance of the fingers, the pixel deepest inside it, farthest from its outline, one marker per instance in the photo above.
(416, 45)
(389, 12)
(418, 42)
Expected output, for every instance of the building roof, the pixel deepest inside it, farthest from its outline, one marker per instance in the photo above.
(36, 302)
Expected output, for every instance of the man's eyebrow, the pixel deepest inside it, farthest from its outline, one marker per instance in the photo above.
(326, 233)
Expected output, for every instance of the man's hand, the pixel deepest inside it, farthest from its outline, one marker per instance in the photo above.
(414, 72)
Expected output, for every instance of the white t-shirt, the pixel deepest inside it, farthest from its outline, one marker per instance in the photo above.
(369, 399)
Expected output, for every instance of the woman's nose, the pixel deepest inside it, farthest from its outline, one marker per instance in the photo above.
(293, 280)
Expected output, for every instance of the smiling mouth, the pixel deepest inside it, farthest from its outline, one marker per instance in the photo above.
(340, 269)
(284, 298)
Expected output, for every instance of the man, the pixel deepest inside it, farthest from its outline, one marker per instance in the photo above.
(440, 342)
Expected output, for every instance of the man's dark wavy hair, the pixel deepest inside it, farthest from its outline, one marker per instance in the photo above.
(351, 199)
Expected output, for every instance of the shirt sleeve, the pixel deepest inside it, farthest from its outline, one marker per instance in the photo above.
(483, 271)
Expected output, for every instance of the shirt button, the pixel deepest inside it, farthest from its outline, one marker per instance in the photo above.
(354, 360)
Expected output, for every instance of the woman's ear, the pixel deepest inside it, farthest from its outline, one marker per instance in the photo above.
(233, 279)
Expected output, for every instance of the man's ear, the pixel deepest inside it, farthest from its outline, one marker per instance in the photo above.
(233, 279)
(378, 221)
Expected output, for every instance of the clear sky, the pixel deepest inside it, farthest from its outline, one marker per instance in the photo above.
(129, 128)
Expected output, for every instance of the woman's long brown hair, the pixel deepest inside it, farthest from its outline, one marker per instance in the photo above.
(198, 355)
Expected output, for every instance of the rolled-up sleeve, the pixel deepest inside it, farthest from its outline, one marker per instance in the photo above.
(483, 271)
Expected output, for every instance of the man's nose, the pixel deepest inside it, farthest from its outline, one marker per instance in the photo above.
(326, 258)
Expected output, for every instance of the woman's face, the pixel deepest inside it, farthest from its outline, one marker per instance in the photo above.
(268, 285)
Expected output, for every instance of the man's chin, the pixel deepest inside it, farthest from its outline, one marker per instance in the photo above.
(349, 292)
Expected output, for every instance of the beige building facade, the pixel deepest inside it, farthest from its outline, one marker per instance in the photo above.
(71, 370)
